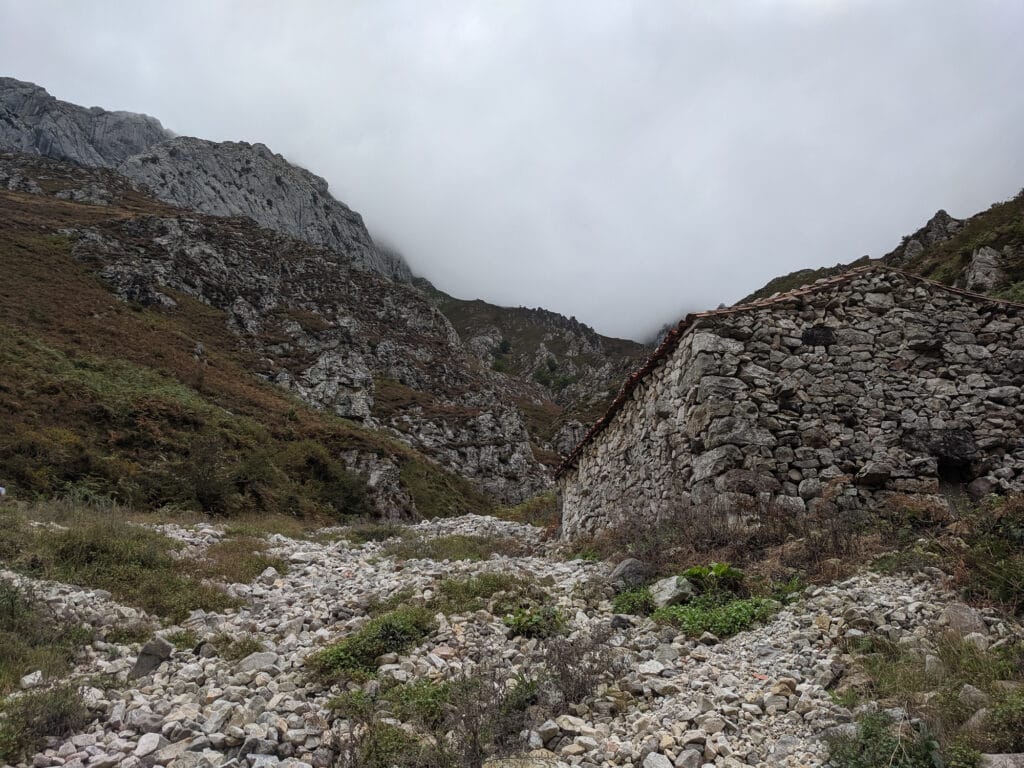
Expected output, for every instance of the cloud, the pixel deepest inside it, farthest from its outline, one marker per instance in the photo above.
(622, 162)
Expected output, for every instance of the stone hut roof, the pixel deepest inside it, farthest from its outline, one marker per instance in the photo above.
(676, 334)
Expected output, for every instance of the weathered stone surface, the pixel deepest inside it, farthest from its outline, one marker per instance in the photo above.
(152, 655)
(868, 386)
(963, 619)
(34, 122)
(629, 574)
(671, 591)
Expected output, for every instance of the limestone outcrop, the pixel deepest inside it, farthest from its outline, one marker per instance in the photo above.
(240, 179)
(34, 122)
(217, 178)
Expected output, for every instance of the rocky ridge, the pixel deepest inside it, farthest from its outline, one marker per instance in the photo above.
(220, 179)
(761, 698)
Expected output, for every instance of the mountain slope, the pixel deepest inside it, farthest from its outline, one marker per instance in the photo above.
(222, 179)
(194, 325)
(983, 253)
(578, 369)
(155, 405)
(34, 122)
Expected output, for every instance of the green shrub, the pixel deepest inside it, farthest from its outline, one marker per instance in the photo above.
(356, 655)
(236, 648)
(1005, 726)
(715, 578)
(472, 594)
(711, 614)
(186, 639)
(31, 639)
(421, 702)
(543, 621)
(27, 720)
(385, 746)
(131, 633)
(877, 744)
(636, 602)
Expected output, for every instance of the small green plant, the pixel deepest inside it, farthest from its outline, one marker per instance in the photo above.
(129, 634)
(636, 602)
(236, 648)
(878, 744)
(184, 639)
(587, 554)
(27, 720)
(421, 702)
(709, 613)
(543, 621)
(717, 577)
(356, 655)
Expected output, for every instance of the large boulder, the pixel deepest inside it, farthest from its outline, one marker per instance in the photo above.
(671, 591)
(153, 654)
(630, 574)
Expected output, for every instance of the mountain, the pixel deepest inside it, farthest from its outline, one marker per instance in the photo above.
(222, 179)
(152, 400)
(983, 254)
(194, 234)
(34, 122)
(577, 368)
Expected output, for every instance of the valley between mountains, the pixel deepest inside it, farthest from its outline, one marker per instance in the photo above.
(272, 499)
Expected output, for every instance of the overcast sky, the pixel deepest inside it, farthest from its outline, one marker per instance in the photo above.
(623, 162)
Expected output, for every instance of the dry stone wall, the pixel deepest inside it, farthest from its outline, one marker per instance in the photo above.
(875, 384)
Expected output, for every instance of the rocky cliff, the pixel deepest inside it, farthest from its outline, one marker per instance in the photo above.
(222, 179)
(240, 179)
(34, 122)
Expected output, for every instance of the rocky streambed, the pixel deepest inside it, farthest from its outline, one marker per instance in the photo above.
(763, 697)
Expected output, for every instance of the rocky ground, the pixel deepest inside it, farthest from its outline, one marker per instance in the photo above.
(763, 697)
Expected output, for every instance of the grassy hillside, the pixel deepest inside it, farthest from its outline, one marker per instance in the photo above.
(106, 398)
(1000, 227)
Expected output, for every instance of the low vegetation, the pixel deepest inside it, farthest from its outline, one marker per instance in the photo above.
(540, 510)
(981, 545)
(238, 560)
(949, 688)
(102, 550)
(27, 720)
(31, 639)
(236, 648)
(541, 621)
(355, 656)
(459, 723)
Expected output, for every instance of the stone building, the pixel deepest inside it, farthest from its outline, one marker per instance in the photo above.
(858, 386)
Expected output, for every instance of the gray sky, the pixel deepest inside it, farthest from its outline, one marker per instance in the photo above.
(618, 161)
